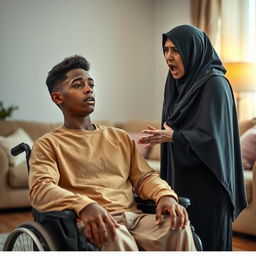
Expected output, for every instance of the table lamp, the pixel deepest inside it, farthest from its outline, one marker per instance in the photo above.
(242, 76)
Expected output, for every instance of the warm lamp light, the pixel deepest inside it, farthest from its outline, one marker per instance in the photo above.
(242, 76)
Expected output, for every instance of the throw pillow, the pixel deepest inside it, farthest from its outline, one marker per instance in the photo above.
(248, 148)
(8, 142)
(141, 147)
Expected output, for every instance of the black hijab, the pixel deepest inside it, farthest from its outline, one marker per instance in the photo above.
(199, 129)
(200, 63)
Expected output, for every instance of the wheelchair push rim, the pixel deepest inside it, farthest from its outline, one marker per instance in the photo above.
(30, 236)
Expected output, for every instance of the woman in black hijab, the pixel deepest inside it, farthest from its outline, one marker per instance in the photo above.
(200, 148)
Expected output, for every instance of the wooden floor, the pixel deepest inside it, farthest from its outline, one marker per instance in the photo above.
(11, 219)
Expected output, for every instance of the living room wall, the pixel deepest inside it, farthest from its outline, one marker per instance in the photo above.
(120, 38)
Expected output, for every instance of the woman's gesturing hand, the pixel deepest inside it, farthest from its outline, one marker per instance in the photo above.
(156, 136)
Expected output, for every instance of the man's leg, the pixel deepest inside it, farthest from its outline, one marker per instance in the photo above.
(124, 240)
(151, 237)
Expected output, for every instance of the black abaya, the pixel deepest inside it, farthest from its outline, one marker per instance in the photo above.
(204, 160)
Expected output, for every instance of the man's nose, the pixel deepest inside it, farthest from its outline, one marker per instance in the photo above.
(87, 88)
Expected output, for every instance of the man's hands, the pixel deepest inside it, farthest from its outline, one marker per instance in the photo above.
(156, 136)
(99, 224)
(178, 214)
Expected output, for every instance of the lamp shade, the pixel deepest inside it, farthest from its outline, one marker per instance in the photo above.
(242, 76)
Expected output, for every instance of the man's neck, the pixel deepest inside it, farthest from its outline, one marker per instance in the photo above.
(79, 123)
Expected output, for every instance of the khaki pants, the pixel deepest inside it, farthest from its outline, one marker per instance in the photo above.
(138, 231)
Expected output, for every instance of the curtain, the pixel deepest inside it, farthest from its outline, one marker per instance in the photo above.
(231, 27)
(238, 36)
(206, 15)
(238, 44)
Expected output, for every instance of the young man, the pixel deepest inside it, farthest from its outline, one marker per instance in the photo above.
(93, 170)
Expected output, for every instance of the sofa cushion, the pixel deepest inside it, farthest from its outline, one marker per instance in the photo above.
(18, 176)
(248, 184)
(248, 148)
(8, 142)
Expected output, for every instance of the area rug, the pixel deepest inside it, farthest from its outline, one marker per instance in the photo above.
(2, 240)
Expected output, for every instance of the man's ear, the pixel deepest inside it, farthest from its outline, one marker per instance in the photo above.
(57, 98)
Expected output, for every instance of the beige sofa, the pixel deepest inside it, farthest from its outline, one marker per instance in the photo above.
(246, 221)
(14, 179)
(14, 185)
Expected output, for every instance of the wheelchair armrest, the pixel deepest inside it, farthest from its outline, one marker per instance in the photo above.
(184, 201)
(63, 224)
(138, 200)
(149, 206)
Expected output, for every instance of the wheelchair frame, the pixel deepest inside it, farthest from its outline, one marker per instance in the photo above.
(35, 235)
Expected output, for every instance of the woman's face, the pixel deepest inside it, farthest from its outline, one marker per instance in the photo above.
(173, 60)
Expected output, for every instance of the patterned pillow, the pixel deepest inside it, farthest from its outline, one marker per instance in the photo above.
(13, 140)
(248, 148)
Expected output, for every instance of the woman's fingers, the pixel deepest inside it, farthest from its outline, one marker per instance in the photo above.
(150, 140)
(166, 125)
(150, 127)
(156, 136)
(153, 132)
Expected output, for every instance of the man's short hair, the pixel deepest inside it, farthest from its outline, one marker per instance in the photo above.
(58, 72)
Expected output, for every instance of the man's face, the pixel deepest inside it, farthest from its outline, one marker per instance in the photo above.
(173, 60)
(76, 95)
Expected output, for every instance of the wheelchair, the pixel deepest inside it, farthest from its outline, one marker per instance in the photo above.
(57, 230)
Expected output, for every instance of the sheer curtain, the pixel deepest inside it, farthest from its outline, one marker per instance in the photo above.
(238, 30)
(238, 44)
(231, 27)
(206, 15)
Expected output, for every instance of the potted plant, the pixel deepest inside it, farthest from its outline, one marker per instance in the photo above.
(6, 112)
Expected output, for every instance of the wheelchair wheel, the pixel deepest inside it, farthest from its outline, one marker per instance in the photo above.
(30, 236)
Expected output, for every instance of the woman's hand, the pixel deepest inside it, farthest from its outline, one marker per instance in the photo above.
(156, 136)
(178, 214)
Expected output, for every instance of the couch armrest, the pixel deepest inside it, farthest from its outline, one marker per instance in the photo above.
(254, 184)
(4, 167)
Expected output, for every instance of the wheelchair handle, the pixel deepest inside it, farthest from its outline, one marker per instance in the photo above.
(22, 147)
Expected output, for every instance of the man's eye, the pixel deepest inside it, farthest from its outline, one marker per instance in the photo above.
(91, 85)
(77, 85)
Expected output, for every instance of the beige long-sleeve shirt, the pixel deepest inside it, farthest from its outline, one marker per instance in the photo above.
(70, 169)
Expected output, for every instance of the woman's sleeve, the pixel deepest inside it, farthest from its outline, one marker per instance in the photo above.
(183, 153)
(208, 134)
